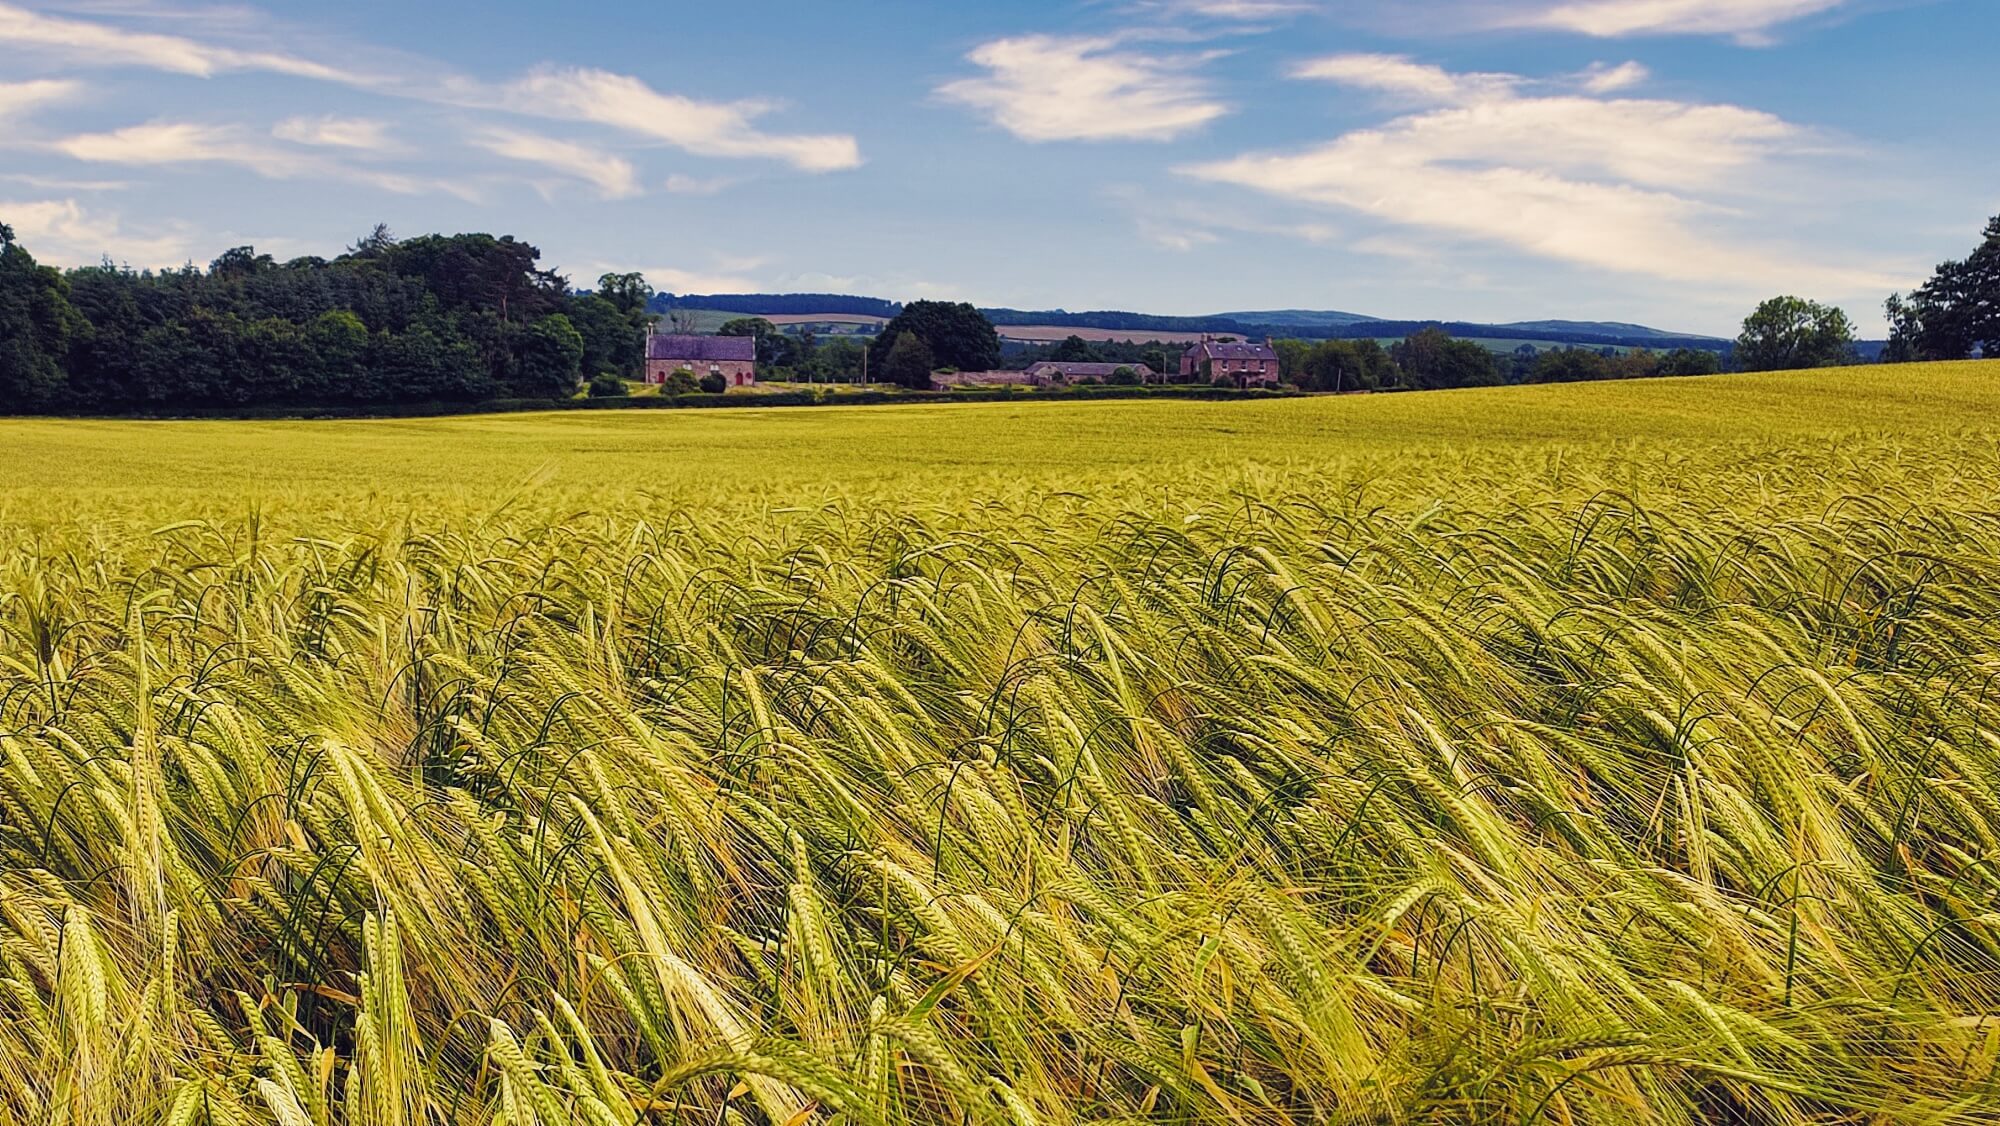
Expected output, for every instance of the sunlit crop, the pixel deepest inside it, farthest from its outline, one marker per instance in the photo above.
(1633, 773)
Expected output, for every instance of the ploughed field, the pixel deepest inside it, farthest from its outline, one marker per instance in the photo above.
(1592, 754)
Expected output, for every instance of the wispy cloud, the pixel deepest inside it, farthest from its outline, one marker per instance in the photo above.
(336, 132)
(1608, 18)
(613, 176)
(617, 101)
(171, 143)
(1635, 186)
(1054, 88)
(724, 129)
(102, 44)
(17, 99)
(1246, 10)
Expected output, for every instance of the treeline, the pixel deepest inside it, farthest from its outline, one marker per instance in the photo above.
(453, 318)
(1431, 359)
(779, 304)
(1428, 359)
(800, 357)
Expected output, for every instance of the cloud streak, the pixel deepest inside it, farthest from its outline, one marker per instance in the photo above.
(18, 99)
(722, 129)
(614, 177)
(616, 101)
(180, 143)
(101, 44)
(1052, 88)
(1627, 185)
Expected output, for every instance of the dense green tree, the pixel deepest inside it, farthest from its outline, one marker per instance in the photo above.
(1571, 365)
(629, 293)
(1076, 350)
(1955, 312)
(1785, 333)
(1341, 365)
(337, 347)
(481, 273)
(838, 360)
(613, 343)
(774, 348)
(757, 327)
(241, 262)
(910, 362)
(1690, 361)
(551, 359)
(681, 382)
(1431, 358)
(38, 328)
(956, 335)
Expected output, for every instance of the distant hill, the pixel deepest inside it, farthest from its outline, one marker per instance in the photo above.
(1305, 323)
(1301, 318)
(787, 304)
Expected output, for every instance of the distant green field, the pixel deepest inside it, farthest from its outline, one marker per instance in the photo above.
(1590, 755)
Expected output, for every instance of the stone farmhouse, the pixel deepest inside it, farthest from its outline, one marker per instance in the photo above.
(734, 358)
(1246, 365)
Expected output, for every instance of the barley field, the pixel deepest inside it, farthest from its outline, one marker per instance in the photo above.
(1604, 754)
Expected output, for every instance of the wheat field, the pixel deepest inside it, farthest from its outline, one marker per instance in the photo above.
(1584, 755)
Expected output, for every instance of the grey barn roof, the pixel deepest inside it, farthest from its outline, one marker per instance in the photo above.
(702, 349)
(1215, 351)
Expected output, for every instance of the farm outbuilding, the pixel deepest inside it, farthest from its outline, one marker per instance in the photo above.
(1056, 371)
(734, 358)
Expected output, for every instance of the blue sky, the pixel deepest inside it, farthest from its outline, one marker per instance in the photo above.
(1662, 161)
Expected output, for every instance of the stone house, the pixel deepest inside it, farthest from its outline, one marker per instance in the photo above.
(734, 358)
(1246, 365)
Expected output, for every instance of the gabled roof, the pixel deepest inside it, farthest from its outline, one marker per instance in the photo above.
(702, 349)
(1214, 351)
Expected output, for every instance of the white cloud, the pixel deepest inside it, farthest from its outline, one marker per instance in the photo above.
(336, 132)
(1608, 18)
(1635, 186)
(63, 232)
(703, 128)
(170, 143)
(1602, 79)
(102, 44)
(1050, 88)
(724, 129)
(63, 183)
(613, 176)
(1399, 76)
(1247, 10)
(20, 98)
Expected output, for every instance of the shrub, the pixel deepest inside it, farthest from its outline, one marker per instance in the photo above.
(714, 384)
(607, 386)
(681, 382)
(1126, 377)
